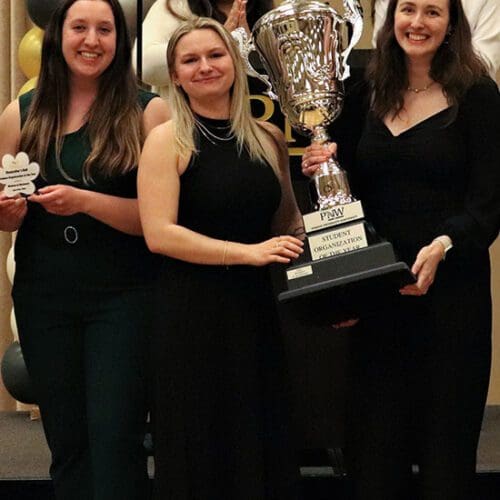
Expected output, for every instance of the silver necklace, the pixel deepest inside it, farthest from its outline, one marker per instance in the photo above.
(213, 137)
(417, 90)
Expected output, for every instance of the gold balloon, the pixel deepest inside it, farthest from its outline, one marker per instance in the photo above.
(11, 265)
(30, 84)
(30, 52)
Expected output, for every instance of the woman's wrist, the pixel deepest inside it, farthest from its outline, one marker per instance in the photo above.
(85, 202)
(445, 243)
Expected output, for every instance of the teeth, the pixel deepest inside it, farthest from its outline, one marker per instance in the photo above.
(89, 55)
(414, 36)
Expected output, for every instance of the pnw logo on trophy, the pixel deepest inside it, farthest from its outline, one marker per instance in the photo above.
(302, 49)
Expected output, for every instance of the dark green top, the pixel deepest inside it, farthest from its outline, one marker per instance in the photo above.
(78, 252)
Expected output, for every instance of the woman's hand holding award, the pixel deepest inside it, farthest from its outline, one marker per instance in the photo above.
(17, 175)
(300, 44)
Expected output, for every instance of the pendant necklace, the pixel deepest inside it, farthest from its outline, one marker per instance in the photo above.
(417, 90)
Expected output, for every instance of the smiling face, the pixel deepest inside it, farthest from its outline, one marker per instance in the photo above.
(89, 38)
(203, 67)
(420, 27)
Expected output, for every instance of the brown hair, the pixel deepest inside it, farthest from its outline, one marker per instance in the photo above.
(114, 120)
(455, 65)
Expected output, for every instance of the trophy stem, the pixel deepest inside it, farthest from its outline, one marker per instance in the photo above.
(330, 179)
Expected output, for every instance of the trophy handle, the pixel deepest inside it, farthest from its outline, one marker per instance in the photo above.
(245, 46)
(353, 15)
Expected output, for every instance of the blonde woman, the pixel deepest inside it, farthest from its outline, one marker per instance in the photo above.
(213, 187)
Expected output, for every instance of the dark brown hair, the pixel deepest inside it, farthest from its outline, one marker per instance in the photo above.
(114, 122)
(455, 65)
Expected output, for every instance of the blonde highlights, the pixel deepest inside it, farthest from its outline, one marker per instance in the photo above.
(114, 121)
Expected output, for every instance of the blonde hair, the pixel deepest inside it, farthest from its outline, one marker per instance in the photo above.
(259, 143)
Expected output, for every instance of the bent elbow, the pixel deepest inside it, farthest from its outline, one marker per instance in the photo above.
(153, 244)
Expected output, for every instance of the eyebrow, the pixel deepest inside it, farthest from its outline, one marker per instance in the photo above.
(431, 6)
(213, 49)
(83, 20)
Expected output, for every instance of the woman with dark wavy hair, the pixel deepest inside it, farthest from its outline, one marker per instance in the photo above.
(165, 15)
(420, 140)
(83, 272)
(484, 20)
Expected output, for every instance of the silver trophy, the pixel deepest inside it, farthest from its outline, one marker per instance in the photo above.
(303, 49)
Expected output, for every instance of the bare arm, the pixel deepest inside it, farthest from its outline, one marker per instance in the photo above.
(12, 210)
(159, 188)
(287, 219)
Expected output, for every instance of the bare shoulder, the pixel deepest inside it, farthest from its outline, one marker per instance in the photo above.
(161, 134)
(159, 153)
(10, 128)
(11, 114)
(156, 112)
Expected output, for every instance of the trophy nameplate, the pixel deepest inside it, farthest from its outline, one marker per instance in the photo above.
(301, 45)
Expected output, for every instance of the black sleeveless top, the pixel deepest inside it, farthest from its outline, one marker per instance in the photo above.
(64, 253)
(224, 194)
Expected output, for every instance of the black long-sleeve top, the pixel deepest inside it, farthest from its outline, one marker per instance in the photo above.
(442, 176)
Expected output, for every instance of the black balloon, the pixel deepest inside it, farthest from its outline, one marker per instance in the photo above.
(41, 10)
(15, 375)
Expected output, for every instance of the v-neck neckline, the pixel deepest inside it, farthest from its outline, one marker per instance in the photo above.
(415, 125)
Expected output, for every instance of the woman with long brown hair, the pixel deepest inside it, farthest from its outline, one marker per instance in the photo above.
(83, 272)
(483, 17)
(420, 140)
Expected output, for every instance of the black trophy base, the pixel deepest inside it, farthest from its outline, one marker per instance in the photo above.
(346, 286)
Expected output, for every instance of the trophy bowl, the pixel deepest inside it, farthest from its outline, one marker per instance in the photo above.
(304, 45)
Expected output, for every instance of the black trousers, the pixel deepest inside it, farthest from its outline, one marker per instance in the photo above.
(419, 384)
(85, 353)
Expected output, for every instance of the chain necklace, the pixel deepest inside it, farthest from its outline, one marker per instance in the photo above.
(212, 136)
(417, 90)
